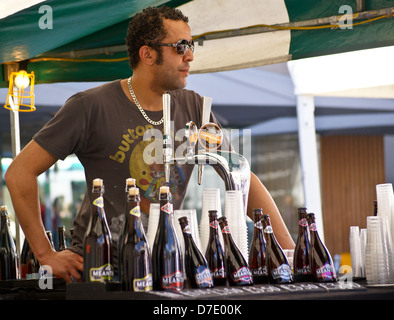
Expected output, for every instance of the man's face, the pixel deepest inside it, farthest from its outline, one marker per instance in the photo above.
(171, 74)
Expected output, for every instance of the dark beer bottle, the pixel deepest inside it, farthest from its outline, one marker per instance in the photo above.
(97, 244)
(278, 267)
(196, 266)
(302, 268)
(237, 269)
(257, 262)
(134, 258)
(322, 266)
(215, 253)
(8, 254)
(166, 253)
(29, 264)
(61, 231)
(24, 257)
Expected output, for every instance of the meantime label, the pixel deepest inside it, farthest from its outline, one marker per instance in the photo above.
(325, 272)
(143, 284)
(99, 202)
(218, 273)
(173, 281)
(214, 224)
(243, 274)
(283, 271)
(167, 208)
(136, 211)
(204, 278)
(104, 273)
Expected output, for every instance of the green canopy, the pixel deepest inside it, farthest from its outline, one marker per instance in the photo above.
(87, 38)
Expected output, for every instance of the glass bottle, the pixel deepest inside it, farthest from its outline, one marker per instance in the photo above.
(196, 266)
(237, 269)
(134, 259)
(322, 266)
(29, 264)
(61, 231)
(257, 262)
(215, 253)
(50, 238)
(278, 267)
(166, 253)
(97, 244)
(302, 268)
(8, 254)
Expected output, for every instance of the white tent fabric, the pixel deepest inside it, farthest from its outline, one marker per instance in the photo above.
(251, 50)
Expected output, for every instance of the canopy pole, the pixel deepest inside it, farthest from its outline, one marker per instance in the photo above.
(16, 148)
(309, 158)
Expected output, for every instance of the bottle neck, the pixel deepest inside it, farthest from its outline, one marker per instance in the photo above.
(213, 228)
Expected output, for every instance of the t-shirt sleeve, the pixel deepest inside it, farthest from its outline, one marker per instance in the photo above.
(64, 133)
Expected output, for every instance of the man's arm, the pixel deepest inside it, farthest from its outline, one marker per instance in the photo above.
(21, 180)
(259, 197)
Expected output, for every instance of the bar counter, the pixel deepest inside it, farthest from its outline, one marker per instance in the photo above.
(59, 290)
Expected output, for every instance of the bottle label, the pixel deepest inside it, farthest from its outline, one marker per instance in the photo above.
(313, 227)
(187, 230)
(104, 273)
(136, 211)
(325, 272)
(167, 208)
(243, 274)
(226, 229)
(143, 284)
(268, 229)
(214, 224)
(283, 271)
(305, 270)
(218, 273)
(258, 225)
(260, 271)
(303, 222)
(173, 281)
(204, 277)
(99, 202)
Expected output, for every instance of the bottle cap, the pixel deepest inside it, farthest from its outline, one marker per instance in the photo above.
(97, 182)
(164, 189)
(130, 182)
(183, 220)
(3, 208)
(134, 191)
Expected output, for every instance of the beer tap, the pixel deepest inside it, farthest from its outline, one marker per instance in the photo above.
(232, 167)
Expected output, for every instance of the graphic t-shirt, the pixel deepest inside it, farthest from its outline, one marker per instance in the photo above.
(113, 142)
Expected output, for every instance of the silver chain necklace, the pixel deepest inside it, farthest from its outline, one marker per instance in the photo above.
(155, 123)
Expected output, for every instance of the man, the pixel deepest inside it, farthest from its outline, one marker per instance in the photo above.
(105, 127)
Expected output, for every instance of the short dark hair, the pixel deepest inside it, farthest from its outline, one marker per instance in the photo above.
(147, 28)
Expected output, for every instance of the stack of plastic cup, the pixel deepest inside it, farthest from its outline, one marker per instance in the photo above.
(363, 245)
(191, 215)
(235, 214)
(384, 193)
(378, 255)
(355, 251)
(154, 215)
(210, 201)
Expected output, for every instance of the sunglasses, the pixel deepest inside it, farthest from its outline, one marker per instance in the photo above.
(181, 47)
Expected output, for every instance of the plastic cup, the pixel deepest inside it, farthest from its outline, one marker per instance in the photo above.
(154, 215)
(210, 201)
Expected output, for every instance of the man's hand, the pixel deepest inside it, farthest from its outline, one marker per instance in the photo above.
(64, 264)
